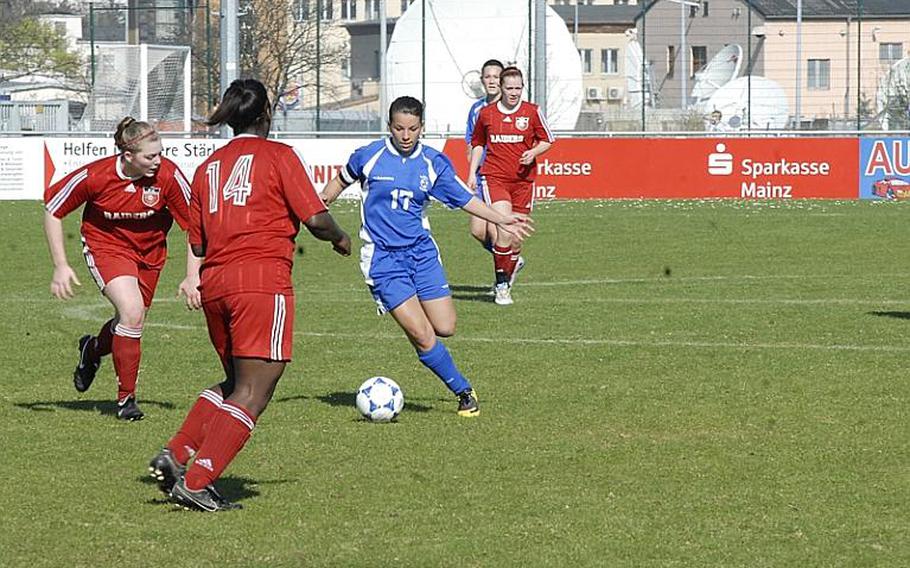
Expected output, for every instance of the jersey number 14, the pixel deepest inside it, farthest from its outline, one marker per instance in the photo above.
(238, 187)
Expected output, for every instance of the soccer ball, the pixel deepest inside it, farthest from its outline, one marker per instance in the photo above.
(379, 399)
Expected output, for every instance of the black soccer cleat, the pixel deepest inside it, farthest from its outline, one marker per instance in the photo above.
(207, 500)
(86, 369)
(165, 470)
(467, 403)
(128, 410)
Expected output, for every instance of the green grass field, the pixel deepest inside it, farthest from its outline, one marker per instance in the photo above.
(716, 383)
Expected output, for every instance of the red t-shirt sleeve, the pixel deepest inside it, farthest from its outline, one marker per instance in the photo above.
(177, 196)
(297, 185)
(68, 194)
(479, 137)
(541, 130)
(194, 221)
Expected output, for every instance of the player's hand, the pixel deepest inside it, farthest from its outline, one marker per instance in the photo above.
(526, 158)
(343, 245)
(62, 282)
(517, 225)
(189, 289)
(325, 201)
(472, 181)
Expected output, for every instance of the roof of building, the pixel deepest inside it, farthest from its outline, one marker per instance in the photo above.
(591, 14)
(819, 9)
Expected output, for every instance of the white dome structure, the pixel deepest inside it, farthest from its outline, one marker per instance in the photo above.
(460, 36)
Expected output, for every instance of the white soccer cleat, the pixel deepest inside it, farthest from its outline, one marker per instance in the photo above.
(503, 294)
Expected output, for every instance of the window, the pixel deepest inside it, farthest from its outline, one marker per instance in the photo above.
(699, 59)
(371, 7)
(671, 61)
(346, 67)
(301, 10)
(609, 61)
(585, 55)
(348, 9)
(704, 9)
(693, 11)
(819, 74)
(326, 10)
(890, 52)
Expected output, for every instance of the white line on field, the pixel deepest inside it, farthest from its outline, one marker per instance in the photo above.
(83, 314)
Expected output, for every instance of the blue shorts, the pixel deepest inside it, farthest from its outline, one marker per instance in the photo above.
(394, 275)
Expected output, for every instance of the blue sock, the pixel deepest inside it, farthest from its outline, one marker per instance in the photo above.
(440, 362)
(488, 246)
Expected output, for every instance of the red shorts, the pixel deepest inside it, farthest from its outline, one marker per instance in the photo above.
(107, 265)
(519, 193)
(253, 325)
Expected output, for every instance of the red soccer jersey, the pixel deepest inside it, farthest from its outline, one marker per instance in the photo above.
(123, 214)
(249, 198)
(507, 135)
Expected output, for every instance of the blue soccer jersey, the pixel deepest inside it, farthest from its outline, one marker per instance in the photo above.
(472, 118)
(395, 189)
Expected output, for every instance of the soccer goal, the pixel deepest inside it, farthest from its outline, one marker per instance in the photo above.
(149, 82)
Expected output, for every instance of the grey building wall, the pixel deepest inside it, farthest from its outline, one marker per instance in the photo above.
(726, 22)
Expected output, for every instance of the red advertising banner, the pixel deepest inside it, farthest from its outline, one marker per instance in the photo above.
(693, 168)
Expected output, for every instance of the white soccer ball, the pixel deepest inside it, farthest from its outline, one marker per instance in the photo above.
(380, 399)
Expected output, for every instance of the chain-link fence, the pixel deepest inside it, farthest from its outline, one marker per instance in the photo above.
(610, 66)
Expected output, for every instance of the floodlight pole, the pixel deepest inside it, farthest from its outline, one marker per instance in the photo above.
(383, 46)
(799, 59)
(684, 72)
(540, 55)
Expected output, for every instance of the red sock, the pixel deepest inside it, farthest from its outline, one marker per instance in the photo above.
(228, 432)
(502, 258)
(126, 353)
(103, 340)
(192, 432)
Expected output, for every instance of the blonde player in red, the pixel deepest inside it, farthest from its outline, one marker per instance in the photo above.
(131, 200)
(514, 133)
(248, 201)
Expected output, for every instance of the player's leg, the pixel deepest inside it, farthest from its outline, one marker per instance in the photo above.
(481, 230)
(125, 294)
(93, 347)
(522, 203)
(167, 466)
(502, 257)
(261, 335)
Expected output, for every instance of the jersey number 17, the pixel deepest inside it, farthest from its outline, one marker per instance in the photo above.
(238, 187)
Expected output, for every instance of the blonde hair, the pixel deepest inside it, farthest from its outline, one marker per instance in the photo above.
(131, 132)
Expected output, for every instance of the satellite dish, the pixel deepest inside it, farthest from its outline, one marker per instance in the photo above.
(472, 85)
(893, 97)
(723, 68)
(634, 61)
(770, 110)
(458, 39)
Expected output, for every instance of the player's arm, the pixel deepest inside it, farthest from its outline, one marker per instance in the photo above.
(517, 225)
(544, 137)
(476, 156)
(332, 190)
(179, 203)
(530, 155)
(64, 277)
(323, 227)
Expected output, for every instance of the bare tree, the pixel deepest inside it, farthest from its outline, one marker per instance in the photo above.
(278, 44)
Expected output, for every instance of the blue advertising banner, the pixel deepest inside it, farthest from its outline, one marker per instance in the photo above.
(884, 168)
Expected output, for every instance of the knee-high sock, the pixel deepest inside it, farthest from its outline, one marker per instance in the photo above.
(502, 260)
(192, 432)
(126, 352)
(439, 360)
(103, 340)
(513, 259)
(229, 431)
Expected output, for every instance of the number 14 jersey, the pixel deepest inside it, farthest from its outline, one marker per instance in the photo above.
(248, 199)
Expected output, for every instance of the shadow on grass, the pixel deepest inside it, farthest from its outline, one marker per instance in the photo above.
(471, 293)
(233, 487)
(896, 315)
(103, 407)
(348, 399)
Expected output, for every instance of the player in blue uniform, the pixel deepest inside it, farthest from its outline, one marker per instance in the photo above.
(399, 258)
(489, 76)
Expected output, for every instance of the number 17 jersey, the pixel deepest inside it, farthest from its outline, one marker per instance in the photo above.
(396, 188)
(248, 199)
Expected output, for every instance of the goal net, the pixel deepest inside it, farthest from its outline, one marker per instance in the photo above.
(148, 82)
